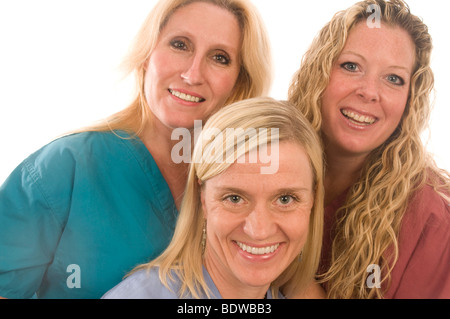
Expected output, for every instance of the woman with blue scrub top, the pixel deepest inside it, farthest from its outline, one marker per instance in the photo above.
(250, 225)
(81, 212)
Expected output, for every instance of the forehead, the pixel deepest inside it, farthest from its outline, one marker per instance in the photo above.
(294, 170)
(389, 42)
(233, 8)
(199, 12)
(206, 22)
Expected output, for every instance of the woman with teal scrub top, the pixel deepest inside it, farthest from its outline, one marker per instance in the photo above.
(84, 210)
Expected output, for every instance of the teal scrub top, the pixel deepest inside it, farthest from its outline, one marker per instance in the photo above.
(79, 214)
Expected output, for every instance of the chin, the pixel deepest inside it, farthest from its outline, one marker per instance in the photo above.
(253, 280)
(180, 123)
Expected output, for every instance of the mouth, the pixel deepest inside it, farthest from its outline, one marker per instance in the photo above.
(186, 97)
(358, 119)
(258, 250)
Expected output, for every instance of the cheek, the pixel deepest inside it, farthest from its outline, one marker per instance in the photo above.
(220, 226)
(338, 88)
(222, 84)
(152, 76)
(393, 108)
(329, 103)
(297, 229)
(218, 220)
(160, 67)
(327, 111)
(396, 107)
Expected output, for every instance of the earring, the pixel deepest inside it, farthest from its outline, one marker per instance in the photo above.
(299, 258)
(204, 238)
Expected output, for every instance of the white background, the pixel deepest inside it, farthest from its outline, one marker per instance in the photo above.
(59, 63)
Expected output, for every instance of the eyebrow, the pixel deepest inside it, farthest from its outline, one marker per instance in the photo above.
(362, 57)
(287, 190)
(185, 33)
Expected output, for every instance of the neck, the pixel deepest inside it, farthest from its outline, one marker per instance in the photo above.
(342, 171)
(157, 139)
(230, 287)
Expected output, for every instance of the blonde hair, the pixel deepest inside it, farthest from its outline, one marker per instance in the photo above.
(370, 219)
(254, 79)
(184, 254)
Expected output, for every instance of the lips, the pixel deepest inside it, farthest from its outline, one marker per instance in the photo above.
(357, 118)
(258, 250)
(186, 97)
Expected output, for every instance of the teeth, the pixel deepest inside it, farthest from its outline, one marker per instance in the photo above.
(258, 251)
(185, 97)
(358, 118)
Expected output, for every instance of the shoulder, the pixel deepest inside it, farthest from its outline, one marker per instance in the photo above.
(143, 284)
(87, 142)
(78, 151)
(421, 270)
(64, 155)
(428, 205)
(279, 295)
(426, 220)
(69, 148)
(52, 171)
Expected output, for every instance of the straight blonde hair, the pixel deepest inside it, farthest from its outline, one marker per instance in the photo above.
(184, 254)
(254, 79)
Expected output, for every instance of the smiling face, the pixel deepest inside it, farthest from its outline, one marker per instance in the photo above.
(368, 90)
(194, 66)
(257, 224)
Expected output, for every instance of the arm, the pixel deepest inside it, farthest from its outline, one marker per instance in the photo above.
(29, 231)
(422, 270)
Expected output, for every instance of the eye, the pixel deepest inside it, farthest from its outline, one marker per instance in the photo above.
(350, 66)
(179, 45)
(222, 59)
(394, 79)
(285, 200)
(233, 199)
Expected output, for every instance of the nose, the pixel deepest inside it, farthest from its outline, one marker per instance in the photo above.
(194, 71)
(368, 89)
(260, 224)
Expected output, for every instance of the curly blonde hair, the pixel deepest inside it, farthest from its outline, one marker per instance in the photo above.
(369, 221)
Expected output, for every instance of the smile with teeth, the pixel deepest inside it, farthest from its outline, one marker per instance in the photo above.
(360, 119)
(258, 250)
(186, 97)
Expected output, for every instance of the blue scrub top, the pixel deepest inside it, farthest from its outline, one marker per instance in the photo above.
(79, 214)
(146, 284)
